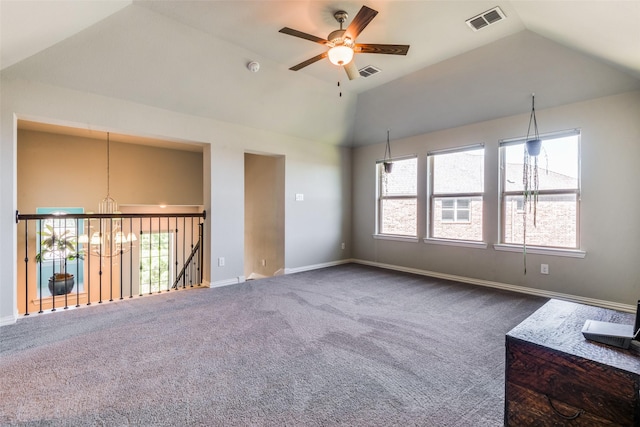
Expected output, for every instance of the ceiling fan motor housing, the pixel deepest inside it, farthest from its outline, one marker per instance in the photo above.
(336, 38)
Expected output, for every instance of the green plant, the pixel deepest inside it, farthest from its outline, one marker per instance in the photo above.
(58, 246)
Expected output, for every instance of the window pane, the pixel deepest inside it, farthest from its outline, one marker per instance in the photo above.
(463, 203)
(402, 181)
(555, 221)
(462, 215)
(398, 217)
(557, 164)
(461, 172)
(154, 262)
(458, 224)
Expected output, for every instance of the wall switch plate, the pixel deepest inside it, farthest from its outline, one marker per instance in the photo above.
(544, 268)
(299, 197)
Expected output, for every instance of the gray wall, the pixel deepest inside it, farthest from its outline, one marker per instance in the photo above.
(609, 230)
(314, 229)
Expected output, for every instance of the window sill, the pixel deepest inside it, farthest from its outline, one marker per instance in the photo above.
(571, 253)
(395, 237)
(459, 243)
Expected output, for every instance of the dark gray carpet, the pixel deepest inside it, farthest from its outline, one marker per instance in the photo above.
(347, 345)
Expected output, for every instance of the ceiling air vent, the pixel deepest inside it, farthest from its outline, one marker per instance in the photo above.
(369, 71)
(485, 19)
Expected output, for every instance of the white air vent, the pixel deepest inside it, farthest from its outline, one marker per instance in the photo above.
(369, 71)
(486, 18)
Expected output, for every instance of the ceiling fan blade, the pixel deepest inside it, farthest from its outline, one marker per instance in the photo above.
(296, 33)
(361, 20)
(309, 61)
(352, 70)
(388, 49)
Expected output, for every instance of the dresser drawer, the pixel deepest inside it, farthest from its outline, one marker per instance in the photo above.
(571, 384)
(526, 407)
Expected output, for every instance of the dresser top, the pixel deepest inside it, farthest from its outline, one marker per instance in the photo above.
(558, 325)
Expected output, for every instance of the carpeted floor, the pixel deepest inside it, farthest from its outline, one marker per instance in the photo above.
(347, 345)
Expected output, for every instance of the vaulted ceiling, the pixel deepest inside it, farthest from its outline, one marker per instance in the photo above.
(191, 57)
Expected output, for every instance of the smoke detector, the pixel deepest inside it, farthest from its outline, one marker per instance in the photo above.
(485, 19)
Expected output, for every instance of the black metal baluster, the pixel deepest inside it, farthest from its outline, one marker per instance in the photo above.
(41, 260)
(131, 258)
(111, 249)
(78, 255)
(65, 266)
(159, 257)
(122, 236)
(89, 250)
(53, 296)
(100, 257)
(175, 251)
(26, 268)
(200, 239)
(184, 244)
(150, 256)
(140, 263)
(190, 252)
(168, 248)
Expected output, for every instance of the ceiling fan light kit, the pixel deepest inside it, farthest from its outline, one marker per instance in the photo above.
(342, 43)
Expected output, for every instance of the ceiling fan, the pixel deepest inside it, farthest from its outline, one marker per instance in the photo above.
(342, 43)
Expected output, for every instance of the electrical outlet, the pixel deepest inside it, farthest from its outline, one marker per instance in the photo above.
(342, 245)
(221, 262)
(544, 268)
(264, 262)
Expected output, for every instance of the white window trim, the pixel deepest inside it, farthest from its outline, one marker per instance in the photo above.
(379, 198)
(431, 196)
(459, 243)
(396, 237)
(543, 250)
(539, 250)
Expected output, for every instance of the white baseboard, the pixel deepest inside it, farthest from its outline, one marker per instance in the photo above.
(8, 320)
(227, 282)
(505, 286)
(317, 266)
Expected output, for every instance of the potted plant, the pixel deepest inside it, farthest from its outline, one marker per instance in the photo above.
(59, 246)
(388, 164)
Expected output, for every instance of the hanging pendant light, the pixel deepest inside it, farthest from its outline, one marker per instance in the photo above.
(388, 164)
(110, 240)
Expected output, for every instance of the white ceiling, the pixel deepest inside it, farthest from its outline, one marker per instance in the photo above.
(191, 56)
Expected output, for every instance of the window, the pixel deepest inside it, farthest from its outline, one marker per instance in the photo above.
(456, 210)
(558, 196)
(456, 191)
(155, 274)
(54, 262)
(397, 198)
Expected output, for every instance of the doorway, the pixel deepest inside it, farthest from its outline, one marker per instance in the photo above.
(263, 215)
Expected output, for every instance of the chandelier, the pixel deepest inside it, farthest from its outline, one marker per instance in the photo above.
(108, 238)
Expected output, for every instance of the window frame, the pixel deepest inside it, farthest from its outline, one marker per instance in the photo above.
(455, 209)
(432, 196)
(380, 198)
(504, 194)
(155, 251)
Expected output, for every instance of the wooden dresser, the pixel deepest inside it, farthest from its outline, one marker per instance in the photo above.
(554, 377)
